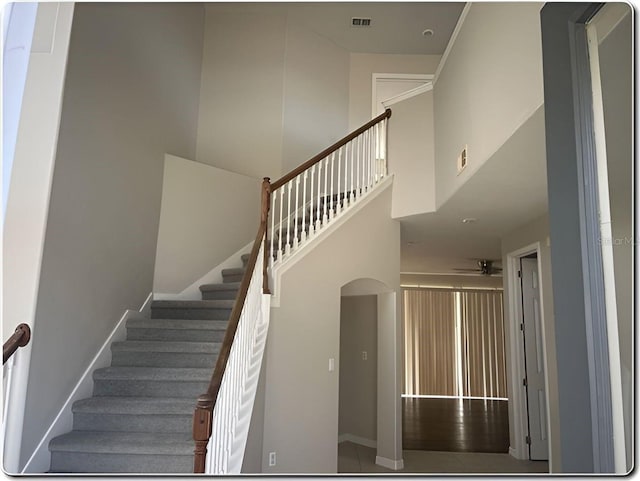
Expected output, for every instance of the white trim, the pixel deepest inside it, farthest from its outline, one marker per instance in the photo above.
(606, 245)
(393, 76)
(452, 40)
(275, 273)
(408, 94)
(352, 438)
(390, 463)
(212, 277)
(608, 18)
(40, 460)
(516, 348)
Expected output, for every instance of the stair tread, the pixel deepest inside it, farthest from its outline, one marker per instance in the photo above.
(134, 405)
(204, 324)
(213, 304)
(228, 286)
(179, 374)
(122, 442)
(167, 346)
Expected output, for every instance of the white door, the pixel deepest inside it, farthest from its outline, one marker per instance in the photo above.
(534, 360)
(388, 86)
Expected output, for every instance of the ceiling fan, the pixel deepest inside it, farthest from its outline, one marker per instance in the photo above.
(485, 268)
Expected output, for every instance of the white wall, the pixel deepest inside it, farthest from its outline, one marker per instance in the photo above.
(273, 93)
(316, 95)
(361, 68)
(411, 156)
(301, 403)
(490, 84)
(131, 94)
(358, 376)
(536, 231)
(207, 214)
(240, 116)
(616, 76)
(28, 203)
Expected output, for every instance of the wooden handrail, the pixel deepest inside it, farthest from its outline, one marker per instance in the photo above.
(328, 151)
(203, 415)
(19, 338)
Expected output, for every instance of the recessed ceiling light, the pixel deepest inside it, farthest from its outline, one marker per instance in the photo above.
(469, 220)
(428, 32)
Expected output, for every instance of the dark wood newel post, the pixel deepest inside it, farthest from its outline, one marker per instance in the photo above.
(202, 421)
(264, 218)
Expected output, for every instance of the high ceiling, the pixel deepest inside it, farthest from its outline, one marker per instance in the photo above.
(508, 191)
(396, 27)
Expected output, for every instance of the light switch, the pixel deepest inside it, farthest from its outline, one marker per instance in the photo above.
(332, 364)
(364, 355)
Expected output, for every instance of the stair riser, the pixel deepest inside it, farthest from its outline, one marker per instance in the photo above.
(151, 423)
(232, 277)
(201, 335)
(221, 314)
(219, 295)
(137, 387)
(163, 359)
(63, 462)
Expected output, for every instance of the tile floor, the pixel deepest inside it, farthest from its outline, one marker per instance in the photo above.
(353, 458)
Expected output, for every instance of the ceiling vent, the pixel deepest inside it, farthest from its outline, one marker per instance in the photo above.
(360, 22)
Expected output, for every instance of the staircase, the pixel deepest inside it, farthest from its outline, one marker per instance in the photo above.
(139, 419)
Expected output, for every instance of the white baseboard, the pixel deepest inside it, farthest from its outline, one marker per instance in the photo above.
(390, 463)
(40, 460)
(214, 276)
(370, 443)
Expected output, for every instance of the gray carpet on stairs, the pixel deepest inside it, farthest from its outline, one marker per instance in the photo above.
(139, 419)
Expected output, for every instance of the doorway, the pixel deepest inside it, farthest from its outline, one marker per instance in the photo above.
(529, 393)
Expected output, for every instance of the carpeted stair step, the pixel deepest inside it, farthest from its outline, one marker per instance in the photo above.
(164, 354)
(233, 275)
(122, 452)
(227, 291)
(217, 309)
(134, 414)
(151, 381)
(195, 330)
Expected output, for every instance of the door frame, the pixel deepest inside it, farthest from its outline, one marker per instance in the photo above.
(428, 78)
(517, 394)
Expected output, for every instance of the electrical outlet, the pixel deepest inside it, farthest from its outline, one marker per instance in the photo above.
(364, 355)
(272, 459)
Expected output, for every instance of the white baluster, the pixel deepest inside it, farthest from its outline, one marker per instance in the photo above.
(280, 226)
(273, 223)
(295, 232)
(363, 150)
(370, 157)
(304, 206)
(318, 216)
(340, 201)
(287, 249)
(312, 224)
(385, 166)
(326, 201)
(333, 159)
(351, 162)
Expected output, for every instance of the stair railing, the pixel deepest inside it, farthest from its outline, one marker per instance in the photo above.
(322, 188)
(308, 198)
(19, 338)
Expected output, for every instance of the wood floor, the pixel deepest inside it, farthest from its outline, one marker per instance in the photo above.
(462, 425)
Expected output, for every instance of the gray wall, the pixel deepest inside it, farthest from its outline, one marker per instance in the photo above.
(358, 376)
(131, 95)
(616, 76)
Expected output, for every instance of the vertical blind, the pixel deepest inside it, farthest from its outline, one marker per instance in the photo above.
(454, 343)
